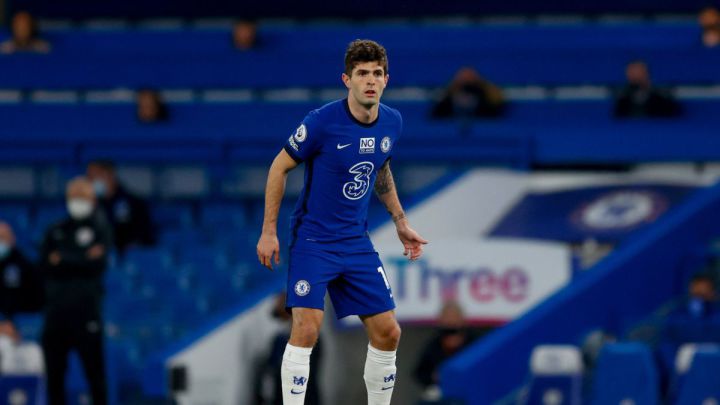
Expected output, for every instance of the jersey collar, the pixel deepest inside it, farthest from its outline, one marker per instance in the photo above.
(355, 120)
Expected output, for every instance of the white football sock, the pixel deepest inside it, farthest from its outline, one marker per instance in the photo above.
(295, 373)
(379, 376)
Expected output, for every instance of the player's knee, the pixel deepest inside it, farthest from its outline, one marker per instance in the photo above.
(389, 336)
(304, 334)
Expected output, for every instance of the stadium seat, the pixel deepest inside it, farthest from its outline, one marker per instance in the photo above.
(698, 369)
(626, 372)
(222, 216)
(22, 390)
(16, 215)
(47, 215)
(172, 215)
(557, 372)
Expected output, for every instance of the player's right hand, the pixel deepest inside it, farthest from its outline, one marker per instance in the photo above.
(267, 247)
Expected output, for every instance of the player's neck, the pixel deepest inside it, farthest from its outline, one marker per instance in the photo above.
(362, 113)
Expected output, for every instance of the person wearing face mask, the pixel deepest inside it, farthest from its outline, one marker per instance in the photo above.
(702, 299)
(640, 98)
(20, 283)
(128, 214)
(74, 256)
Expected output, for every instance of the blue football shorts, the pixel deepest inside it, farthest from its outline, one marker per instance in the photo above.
(356, 282)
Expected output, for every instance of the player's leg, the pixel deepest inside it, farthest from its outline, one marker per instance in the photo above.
(365, 290)
(380, 370)
(295, 370)
(308, 275)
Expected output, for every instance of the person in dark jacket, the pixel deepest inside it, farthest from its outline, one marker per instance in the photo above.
(74, 257)
(640, 98)
(21, 288)
(452, 336)
(470, 96)
(128, 214)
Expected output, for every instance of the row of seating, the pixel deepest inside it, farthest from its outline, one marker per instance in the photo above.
(532, 132)
(288, 57)
(245, 121)
(625, 374)
(319, 8)
(402, 37)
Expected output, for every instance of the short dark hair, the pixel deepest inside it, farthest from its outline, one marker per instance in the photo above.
(105, 164)
(364, 50)
(703, 277)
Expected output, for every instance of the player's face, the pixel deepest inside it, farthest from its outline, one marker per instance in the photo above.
(366, 83)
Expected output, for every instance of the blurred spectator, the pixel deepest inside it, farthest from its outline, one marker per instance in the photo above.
(21, 287)
(451, 338)
(25, 36)
(7, 329)
(128, 214)
(708, 17)
(268, 388)
(640, 99)
(469, 95)
(18, 357)
(74, 256)
(711, 36)
(702, 299)
(694, 319)
(244, 34)
(150, 107)
(709, 20)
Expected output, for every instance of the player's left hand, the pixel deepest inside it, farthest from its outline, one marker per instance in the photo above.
(411, 240)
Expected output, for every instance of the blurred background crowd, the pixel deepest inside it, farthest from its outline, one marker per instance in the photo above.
(135, 141)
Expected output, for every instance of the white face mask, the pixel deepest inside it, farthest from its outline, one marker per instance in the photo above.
(79, 208)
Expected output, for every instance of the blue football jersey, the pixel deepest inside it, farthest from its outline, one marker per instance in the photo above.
(342, 156)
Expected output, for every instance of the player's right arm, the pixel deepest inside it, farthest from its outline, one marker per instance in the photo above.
(268, 245)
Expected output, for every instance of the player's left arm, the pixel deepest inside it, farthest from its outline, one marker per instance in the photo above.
(387, 193)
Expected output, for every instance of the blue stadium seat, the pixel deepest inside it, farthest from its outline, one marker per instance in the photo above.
(137, 259)
(47, 215)
(181, 239)
(16, 215)
(626, 371)
(557, 373)
(28, 389)
(223, 216)
(699, 376)
(171, 215)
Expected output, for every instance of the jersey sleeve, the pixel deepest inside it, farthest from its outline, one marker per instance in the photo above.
(398, 134)
(306, 141)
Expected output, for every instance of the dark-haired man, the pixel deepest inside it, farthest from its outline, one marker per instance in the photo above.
(346, 146)
(127, 213)
(640, 98)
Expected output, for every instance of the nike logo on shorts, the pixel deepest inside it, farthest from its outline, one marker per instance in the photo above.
(387, 388)
(343, 146)
(292, 391)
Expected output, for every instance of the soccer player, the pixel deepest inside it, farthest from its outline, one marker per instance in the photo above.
(346, 146)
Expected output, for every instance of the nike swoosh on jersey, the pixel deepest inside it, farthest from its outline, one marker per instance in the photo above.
(343, 146)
